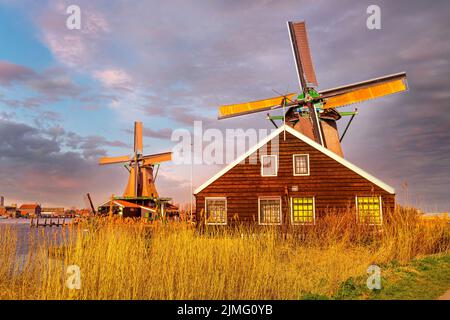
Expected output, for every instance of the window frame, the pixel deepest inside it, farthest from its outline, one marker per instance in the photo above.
(259, 210)
(314, 212)
(381, 210)
(276, 165)
(307, 163)
(206, 211)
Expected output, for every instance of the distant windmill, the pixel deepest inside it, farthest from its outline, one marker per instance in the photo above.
(141, 182)
(313, 112)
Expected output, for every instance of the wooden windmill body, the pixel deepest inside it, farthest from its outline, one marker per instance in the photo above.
(143, 170)
(313, 113)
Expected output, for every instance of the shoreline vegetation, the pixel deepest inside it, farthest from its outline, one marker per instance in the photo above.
(128, 259)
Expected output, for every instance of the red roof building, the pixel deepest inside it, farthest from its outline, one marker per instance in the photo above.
(30, 210)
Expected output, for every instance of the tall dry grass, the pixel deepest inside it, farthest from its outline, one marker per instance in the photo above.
(122, 259)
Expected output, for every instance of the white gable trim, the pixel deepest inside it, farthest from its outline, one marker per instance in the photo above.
(239, 159)
(122, 206)
(308, 141)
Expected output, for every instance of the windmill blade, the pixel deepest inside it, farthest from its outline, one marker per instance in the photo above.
(234, 110)
(366, 90)
(110, 160)
(302, 54)
(157, 158)
(138, 137)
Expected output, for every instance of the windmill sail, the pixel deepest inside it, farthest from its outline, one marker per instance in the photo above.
(362, 91)
(234, 110)
(110, 160)
(302, 54)
(138, 147)
(157, 158)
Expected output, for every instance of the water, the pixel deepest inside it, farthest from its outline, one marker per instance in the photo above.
(23, 230)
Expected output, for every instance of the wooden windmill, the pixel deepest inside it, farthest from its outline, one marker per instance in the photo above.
(313, 112)
(143, 169)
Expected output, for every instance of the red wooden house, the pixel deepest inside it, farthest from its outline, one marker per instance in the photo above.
(295, 183)
(32, 210)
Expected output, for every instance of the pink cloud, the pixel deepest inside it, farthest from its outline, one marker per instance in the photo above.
(74, 48)
(113, 78)
(10, 72)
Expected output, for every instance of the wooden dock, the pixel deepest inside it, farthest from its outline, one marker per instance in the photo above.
(47, 222)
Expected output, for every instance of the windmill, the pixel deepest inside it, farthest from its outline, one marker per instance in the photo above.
(143, 169)
(313, 112)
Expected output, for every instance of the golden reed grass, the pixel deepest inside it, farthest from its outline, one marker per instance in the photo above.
(124, 259)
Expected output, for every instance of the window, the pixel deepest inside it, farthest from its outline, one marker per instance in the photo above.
(301, 164)
(303, 210)
(216, 211)
(269, 165)
(270, 210)
(369, 209)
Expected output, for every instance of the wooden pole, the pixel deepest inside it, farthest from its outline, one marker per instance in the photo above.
(348, 125)
(192, 182)
(111, 206)
(90, 202)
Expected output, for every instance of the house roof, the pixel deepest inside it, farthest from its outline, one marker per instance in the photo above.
(170, 206)
(308, 141)
(126, 204)
(29, 206)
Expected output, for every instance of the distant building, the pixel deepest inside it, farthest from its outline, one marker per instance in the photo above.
(70, 213)
(83, 212)
(52, 212)
(2, 206)
(11, 211)
(125, 209)
(30, 210)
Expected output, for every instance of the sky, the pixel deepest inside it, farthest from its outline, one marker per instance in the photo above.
(68, 97)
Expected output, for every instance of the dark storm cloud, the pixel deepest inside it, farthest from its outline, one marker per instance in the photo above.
(92, 146)
(163, 134)
(50, 85)
(36, 166)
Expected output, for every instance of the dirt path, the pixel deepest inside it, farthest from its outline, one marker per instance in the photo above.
(445, 296)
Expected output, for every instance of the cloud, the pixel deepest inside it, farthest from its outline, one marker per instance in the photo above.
(113, 78)
(10, 73)
(50, 86)
(164, 134)
(37, 167)
(73, 48)
(55, 83)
